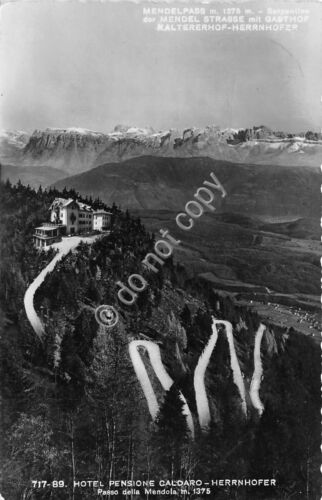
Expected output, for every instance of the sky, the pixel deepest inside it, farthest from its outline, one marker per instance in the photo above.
(96, 64)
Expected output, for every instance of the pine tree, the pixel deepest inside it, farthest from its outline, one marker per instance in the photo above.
(185, 317)
(171, 437)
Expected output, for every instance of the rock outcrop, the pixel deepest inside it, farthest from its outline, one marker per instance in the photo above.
(76, 150)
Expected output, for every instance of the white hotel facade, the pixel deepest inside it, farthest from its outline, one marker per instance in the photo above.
(68, 217)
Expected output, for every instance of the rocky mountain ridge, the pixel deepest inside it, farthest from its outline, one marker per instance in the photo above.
(76, 150)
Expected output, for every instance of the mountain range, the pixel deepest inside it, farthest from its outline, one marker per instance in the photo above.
(75, 150)
(152, 183)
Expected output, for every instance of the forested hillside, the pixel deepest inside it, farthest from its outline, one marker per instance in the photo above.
(72, 407)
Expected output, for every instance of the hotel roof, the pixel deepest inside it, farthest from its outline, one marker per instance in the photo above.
(60, 202)
(97, 212)
(47, 227)
(63, 202)
(83, 206)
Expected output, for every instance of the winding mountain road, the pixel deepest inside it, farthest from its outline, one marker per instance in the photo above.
(153, 350)
(258, 371)
(200, 370)
(202, 403)
(165, 380)
(63, 247)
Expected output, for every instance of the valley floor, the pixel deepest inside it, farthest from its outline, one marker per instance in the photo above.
(287, 316)
(268, 264)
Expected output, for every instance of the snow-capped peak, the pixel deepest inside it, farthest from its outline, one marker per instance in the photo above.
(72, 130)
